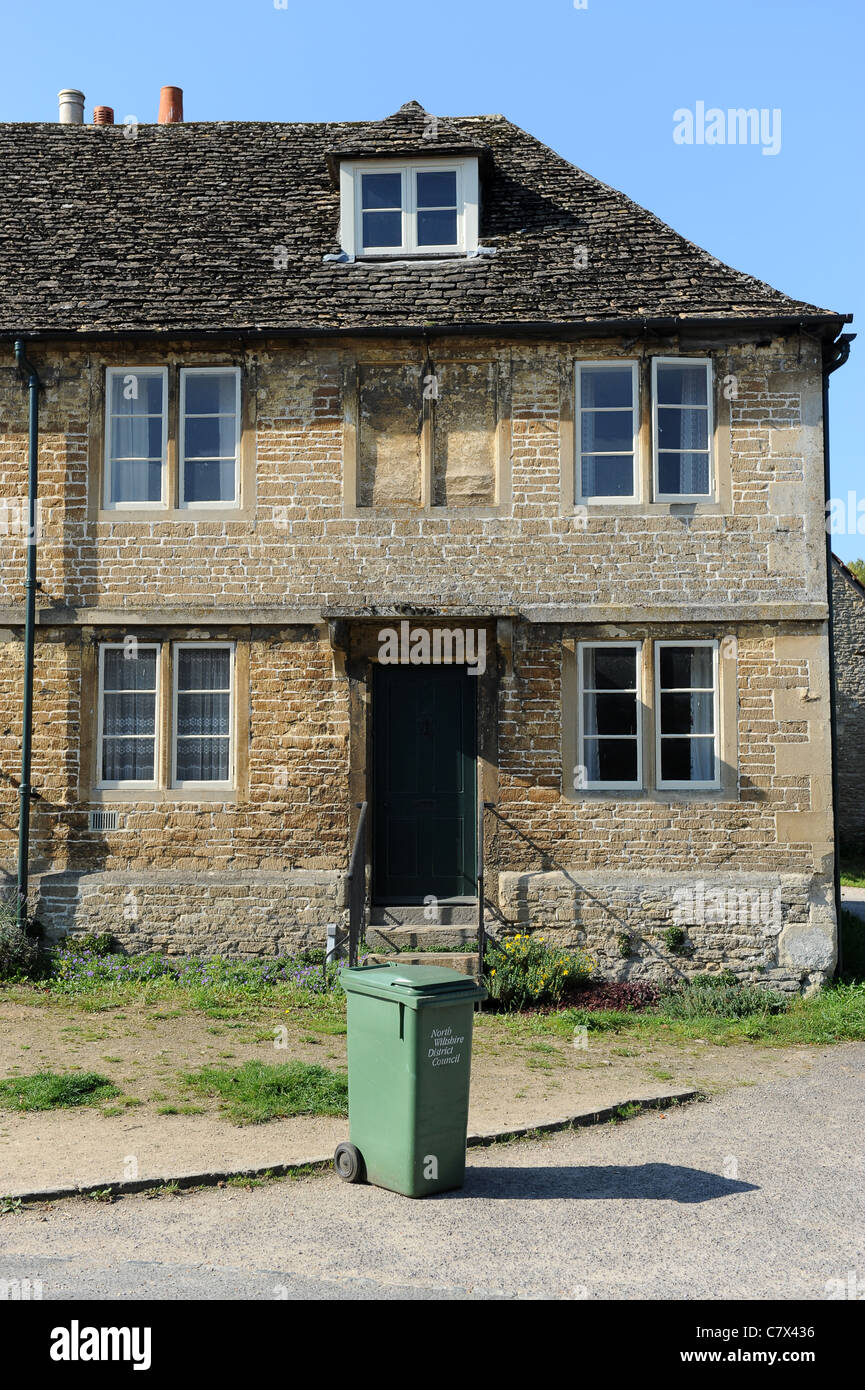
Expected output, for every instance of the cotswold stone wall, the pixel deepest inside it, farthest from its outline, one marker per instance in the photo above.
(848, 599)
(589, 867)
(300, 541)
(261, 868)
(655, 926)
(180, 913)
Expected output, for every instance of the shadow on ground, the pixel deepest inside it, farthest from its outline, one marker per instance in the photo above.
(660, 1182)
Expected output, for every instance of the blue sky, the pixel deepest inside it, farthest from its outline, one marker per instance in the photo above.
(599, 84)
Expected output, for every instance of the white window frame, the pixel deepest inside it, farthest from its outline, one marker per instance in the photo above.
(715, 783)
(139, 370)
(234, 502)
(228, 784)
(101, 782)
(351, 217)
(709, 495)
(634, 497)
(582, 648)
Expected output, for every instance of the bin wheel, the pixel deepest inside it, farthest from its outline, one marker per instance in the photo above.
(348, 1163)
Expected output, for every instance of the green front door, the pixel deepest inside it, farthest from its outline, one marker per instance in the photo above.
(425, 787)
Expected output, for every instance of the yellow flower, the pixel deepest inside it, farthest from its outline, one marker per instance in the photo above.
(492, 972)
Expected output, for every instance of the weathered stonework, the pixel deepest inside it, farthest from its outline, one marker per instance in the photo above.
(848, 603)
(181, 913)
(321, 540)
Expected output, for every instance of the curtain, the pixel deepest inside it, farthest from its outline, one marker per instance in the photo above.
(203, 731)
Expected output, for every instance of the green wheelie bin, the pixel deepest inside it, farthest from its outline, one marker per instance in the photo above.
(409, 1058)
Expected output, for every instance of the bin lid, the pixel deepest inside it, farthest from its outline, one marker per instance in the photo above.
(413, 980)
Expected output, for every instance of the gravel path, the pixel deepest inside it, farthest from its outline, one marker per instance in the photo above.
(757, 1194)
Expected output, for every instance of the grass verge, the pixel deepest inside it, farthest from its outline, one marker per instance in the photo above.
(48, 1090)
(835, 1014)
(853, 871)
(257, 1091)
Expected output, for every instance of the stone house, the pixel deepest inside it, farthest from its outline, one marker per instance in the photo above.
(407, 464)
(848, 602)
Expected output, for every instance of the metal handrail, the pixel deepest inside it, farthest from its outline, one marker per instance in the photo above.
(357, 885)
(482, 806)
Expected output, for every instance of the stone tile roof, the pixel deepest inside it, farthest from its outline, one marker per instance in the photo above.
(854, 579)
(178, 229)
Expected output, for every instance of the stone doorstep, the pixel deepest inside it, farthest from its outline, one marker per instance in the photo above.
(388, 938)
(324, 1161)
(391, 918)
(463, 961)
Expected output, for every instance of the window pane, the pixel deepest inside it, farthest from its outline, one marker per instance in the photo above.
(127, 760)
(609, 668)
(687, 668)
(606, 386)
(437, 190)
(205, 713)
(134, 393)
(382, 191)
(206, 672)
(210, 436)
(382, 229)
(690, 712)
(203, 668)
(437, 228)
(607, 431)
(683, 429)
(610, 714)
(129, 714)
(611, 760)
(136, 482)
(682, 385)
(123, 672)
(683, 474)
(202, 759)
(687, 760)
(607, 475)
(210, 393)
(209, 482)
(136, 437)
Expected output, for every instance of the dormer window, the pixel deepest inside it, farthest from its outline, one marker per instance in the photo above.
(424, 208)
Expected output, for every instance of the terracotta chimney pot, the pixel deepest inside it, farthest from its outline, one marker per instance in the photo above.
(170, 105)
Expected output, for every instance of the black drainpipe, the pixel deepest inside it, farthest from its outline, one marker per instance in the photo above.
(24, 790)
(835, 355)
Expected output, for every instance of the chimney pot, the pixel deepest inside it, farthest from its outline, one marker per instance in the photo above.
(170, 105)
(103, 115)
(71, 106)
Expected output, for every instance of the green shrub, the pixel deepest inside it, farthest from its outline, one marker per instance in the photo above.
(624, 944)
(676, 940)
(94, 943)
(721, 996)
(523, 972)
(20, 956)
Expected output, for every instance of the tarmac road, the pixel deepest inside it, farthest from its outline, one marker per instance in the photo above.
(759, 1194)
